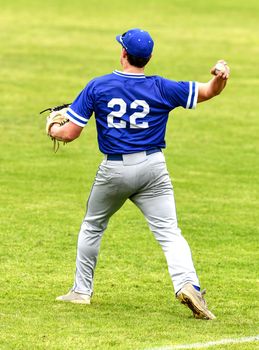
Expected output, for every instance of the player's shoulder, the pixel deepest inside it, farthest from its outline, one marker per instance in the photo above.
(100, 79)
(161, 82)
(153, 77)
(96, 82)
(160, 79)
(171, 84)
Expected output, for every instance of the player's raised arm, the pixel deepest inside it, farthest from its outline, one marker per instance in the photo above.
(214, 87)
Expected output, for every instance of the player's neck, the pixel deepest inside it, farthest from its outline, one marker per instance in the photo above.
(134, 70)
(127, 68)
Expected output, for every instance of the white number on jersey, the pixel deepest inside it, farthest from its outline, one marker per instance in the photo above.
(122, 110)
(136, 115)
(118, 114)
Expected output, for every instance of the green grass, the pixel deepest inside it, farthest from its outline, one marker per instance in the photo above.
(48, 52)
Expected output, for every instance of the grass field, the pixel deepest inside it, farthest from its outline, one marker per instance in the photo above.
(49, 50)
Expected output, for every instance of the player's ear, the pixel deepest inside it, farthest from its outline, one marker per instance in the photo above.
(124, 53)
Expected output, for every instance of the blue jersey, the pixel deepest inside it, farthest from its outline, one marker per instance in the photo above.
(131, 110)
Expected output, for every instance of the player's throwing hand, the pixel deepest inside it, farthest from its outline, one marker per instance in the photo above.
(221, 70)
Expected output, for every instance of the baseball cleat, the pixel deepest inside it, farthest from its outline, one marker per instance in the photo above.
(195, 301)
(75, 298)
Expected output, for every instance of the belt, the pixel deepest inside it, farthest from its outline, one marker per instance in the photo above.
(120, 156)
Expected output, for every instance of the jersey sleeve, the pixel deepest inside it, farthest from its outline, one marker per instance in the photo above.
(180, 93)
(82, 108)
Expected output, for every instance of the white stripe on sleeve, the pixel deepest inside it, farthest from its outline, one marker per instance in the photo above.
(195, 99)
(190, 95)
(75, 118)
(83, 119)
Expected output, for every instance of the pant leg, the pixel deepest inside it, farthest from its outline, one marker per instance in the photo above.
(157, 203)
(105, 199)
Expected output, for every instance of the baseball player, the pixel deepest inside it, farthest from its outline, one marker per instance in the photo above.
(131, 112)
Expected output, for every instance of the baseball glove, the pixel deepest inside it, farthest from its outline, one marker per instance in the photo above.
(56, 116)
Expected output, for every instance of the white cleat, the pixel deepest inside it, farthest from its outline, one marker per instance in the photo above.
(75, 298)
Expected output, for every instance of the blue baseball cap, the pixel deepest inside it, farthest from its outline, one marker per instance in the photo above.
(137, 42)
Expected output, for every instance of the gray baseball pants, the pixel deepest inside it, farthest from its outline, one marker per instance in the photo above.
(144, 180)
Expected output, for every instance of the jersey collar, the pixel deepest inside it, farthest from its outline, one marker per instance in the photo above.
(129, 75)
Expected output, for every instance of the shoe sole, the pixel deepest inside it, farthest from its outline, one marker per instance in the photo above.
(86, 302)
(192, 303)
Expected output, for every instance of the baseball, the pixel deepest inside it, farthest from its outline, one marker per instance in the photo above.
(220, 67)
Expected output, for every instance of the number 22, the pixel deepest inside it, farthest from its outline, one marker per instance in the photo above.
(132, 118)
